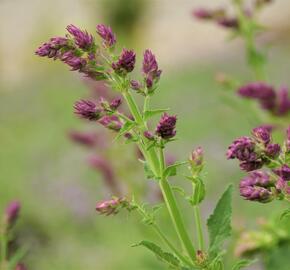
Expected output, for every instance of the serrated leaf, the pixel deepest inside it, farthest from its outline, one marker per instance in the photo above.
(171, 170)
(166, 257)
(242, 264)
(150, 113)
(219, 223)
(126, 128)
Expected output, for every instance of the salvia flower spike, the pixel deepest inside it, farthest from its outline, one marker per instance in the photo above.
(166, 126)
(106, 33)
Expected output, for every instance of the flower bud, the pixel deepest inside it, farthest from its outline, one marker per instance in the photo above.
(273, 150)
(82, 39)
(88, 110)
(149, 135)
(114, 105)
(111, 207)
(126, 62)
(111, 122)
(196, 160)
(135, 85)
(283, 172)
(12, 212)
(166, 126)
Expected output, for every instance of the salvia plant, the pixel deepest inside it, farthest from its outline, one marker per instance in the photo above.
(80, 52)
(10, 258)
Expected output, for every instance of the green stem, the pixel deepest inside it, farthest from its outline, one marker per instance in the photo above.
(3, 257)
(198, 225)
(174, 211)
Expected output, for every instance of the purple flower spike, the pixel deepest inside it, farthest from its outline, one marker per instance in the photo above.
(111, 122)
(283, 172)
(51, 48)
(82, 39)
(243, 149)
(126, 62)
(166, 126)
(262, 134)
(84, 138)
(76, 63)
(150, 69)
(115, 104)
(12, 212)
(88, 110)
(264, 93)
(256, 187)
(106, 33)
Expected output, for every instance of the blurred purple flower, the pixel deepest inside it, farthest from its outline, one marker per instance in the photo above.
(20, 266)
(106, 33)
(84, 138)
(283, 101)
(115, 103)
(273, 150)
(82, 39)
(149, 135)
(288, 139)
(12, 212)
(110, 207)
(228, 22)
(135, 85)
(262, 134)
(166, 126)
(203, 13)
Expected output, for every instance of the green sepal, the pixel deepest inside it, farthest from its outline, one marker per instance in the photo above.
(150, 113)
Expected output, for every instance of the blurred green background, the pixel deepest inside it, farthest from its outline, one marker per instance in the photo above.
(43, 169)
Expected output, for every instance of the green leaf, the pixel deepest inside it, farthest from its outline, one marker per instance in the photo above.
(278, 257)
(242, 264)
(171, 170)
(148, 172)
(219, 223)
(150, 113)
(126, 128)
(163, 256)
(285, 214)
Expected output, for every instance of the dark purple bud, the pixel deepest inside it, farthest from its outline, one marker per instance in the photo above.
(114, 105)
(88, 110)
(257, 178)
(20, 266)
(82, 39)
(282, 186)
(149, 135)
(128, 135)
(249, 166)
(283, 101)
(106, 33)
(135, 85)
(126, 62)
(51, 48)
(84, 138)
(228, 22)
(283, 172)
(243, 149)
(111, 207)
(262, 134)
(12, 212)
(260, 91)
(111, 122)
(166, 126)
(273, 150)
